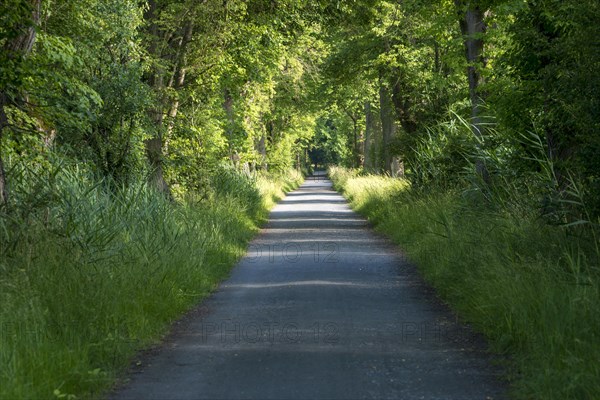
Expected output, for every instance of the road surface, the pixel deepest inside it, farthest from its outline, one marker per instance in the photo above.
(320, 307)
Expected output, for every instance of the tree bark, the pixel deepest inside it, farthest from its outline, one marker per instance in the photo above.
(21, 45)
(17, 48)
(153, 146)
(262, 150)
(388, 125)
(356, 139)
(368, 143)
(229, 112)
(154, 154)
(355, 149)
(168, 106)
(473, 27)
(177, 81)
(402, 107)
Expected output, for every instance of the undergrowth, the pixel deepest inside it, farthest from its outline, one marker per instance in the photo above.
(89, 275)
(530, 287)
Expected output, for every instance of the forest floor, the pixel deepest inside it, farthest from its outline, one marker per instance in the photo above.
(320, 307)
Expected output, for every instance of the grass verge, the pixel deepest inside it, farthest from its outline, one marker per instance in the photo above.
(90, 277)
(532, 289)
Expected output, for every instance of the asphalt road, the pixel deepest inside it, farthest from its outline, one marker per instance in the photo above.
(320, 307)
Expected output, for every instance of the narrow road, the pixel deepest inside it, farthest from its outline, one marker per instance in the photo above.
(320, 307)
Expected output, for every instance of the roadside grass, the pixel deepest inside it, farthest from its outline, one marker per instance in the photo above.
(531, 288)
(273, 188)
(90, 276)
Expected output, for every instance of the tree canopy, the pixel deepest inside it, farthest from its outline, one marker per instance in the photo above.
(171, 89)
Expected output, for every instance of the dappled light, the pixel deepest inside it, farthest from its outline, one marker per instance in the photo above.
(301, 161)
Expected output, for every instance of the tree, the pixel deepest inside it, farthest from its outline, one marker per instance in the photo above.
(21, 19)
(170, 31)
(473, 28)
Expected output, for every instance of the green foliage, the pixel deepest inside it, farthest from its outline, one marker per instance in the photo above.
(94, 265)
(537, 80)
(208, 96)
(531, 288)
(89, 276)
(15, 16)
(230, 183)
(331, 142)
(553, 90)
(272, 187)
(442, 155)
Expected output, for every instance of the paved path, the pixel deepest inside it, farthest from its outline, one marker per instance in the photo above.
(320, 307)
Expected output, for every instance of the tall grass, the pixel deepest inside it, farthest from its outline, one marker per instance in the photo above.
(532, 288)
(90, 275)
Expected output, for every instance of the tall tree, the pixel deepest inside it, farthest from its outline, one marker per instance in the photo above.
(170, 32)
(473, 28)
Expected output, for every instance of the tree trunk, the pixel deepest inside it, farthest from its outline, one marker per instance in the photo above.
(167, 105)
(402, 107)
(369, 130)
(178, 77)
(355, 150)
(16, 48)
(262, 150)
(356, 139)
(388, 125)
(473, 27)
(154, 154)
(360, 148)
(153, 146)
(22, 44)
(228, 107)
